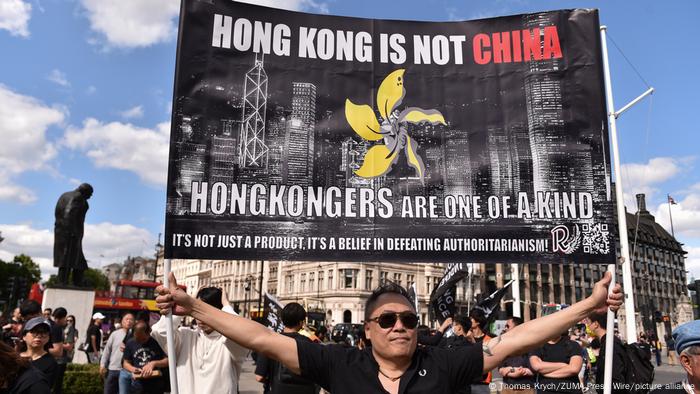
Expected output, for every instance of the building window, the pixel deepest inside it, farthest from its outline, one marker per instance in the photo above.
(397, 278)
(330, 279)
(288, 283)
(302, 283)
(312, 280)
(410, 279)
(320, 279)
(349, 278)
(368, 279)
(383, 277)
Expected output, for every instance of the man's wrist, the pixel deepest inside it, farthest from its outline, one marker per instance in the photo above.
(197, 306)
(588, 306)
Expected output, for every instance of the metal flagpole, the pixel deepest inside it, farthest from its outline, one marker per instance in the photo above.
(670, 217)
(170, 339)
(631, 328)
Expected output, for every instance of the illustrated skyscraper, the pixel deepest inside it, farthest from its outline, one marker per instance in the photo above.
(299, 140)
(545, 117)
(276, 130)
(224, 154)
(252, 148)
(457, 165)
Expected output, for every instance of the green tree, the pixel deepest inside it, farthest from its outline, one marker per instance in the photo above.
(93, 279)
(30, 266)
(16, 279)
(96, 279)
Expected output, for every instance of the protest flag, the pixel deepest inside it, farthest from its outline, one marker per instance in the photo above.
(272, 313)
(492, 303)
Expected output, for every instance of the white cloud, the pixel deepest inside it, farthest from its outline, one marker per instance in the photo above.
(103, 243)
(90, 90)
(657, 170)
(294, 5)
(686, 216)
(124, 146)
(131, 113)
(58, 77)
(692, 262)
(14, 17)
(24, 122)
(645, 177)
(12, 192)
(133, 23)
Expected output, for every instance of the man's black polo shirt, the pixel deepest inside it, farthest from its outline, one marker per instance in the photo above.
(341, 370)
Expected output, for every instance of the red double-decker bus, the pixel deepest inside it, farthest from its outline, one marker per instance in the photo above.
(131, 296)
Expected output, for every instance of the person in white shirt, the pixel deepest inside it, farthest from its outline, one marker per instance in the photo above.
(207, 362)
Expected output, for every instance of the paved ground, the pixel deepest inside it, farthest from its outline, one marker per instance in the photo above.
(664, 374)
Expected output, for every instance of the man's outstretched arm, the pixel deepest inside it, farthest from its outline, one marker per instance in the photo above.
(246, 333)
(534, 333)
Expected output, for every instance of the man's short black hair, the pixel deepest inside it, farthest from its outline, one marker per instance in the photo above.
(293, 314)
(60, 313)
(144, 316)
(601, 319)
(423, 330)
(386, 288)
(516, 320)
(142, 326)
(479, 318)
(211, 295)
(464, 321)
(48, 310)
(29, 308)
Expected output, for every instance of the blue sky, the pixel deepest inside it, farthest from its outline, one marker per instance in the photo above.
(86, 86)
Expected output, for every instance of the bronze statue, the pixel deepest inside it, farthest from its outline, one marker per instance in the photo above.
(68, 234)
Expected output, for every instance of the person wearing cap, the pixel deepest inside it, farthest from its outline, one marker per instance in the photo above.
(17, 375)
(35, 335)
(394, 363)
(687, 339)
(94, 338)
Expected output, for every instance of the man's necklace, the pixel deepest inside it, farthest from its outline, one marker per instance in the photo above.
(389, 377)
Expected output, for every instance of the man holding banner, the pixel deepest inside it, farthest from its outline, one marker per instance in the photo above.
(393, 363)
(300, 137)
(204, 355)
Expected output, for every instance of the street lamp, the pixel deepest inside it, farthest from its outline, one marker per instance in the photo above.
(318, 285)
(159, 247)
(247, 290)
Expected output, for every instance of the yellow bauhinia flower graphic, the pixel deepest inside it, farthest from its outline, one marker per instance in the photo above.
(392, 129)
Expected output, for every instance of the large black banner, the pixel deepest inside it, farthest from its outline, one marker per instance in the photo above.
(314, 137)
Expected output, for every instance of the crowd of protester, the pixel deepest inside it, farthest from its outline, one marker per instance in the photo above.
(563, 353)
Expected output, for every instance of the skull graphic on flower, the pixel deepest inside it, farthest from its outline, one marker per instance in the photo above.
(380, 158)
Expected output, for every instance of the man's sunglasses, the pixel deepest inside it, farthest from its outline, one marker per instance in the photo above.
(388, 319)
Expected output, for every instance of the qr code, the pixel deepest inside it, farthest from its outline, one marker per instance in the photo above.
(596, 238)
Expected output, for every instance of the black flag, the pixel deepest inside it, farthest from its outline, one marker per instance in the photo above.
(444, 306)
(453, 274)
(413, 296)
(492, 303)
(272, 313)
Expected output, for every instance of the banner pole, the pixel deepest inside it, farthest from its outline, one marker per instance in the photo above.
(622, 233)
(170, 339)
(631, 321)
(516, 290)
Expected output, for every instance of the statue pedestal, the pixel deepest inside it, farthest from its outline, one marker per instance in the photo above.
(79, 303)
